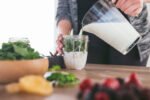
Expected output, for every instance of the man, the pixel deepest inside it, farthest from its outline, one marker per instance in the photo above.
(71, 12)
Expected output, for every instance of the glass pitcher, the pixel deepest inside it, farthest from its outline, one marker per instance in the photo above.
(106, 22)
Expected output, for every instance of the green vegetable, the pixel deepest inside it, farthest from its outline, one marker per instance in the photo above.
(76, 45)
(17, 51)
(63, 79)
(55, 68)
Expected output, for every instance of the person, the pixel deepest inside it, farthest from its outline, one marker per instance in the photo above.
(70, 14)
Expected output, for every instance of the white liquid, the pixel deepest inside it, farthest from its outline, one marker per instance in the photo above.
(118, 35)
(75, 60)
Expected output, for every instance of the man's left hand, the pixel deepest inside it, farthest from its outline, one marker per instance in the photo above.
(129, 7)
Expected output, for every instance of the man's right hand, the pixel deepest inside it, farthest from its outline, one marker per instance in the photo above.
(59, 42)
(130, 7)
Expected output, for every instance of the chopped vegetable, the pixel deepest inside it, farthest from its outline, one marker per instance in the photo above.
(17, 51)
(71, 44)
(55, 68)
(63, 79)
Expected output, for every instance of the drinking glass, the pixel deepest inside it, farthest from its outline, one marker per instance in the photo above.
(75, 51)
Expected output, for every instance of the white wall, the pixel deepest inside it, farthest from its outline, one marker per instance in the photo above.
(28, 18)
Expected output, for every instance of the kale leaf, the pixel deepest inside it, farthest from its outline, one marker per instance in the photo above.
(17, 51)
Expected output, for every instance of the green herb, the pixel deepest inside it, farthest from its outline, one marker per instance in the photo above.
(63, 79)
(17, 51)
(71, 44)
(55, 68)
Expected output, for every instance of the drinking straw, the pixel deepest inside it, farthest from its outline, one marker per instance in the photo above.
(71, 33)
(81, 32)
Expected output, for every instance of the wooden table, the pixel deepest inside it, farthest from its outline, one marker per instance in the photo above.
(95, 72)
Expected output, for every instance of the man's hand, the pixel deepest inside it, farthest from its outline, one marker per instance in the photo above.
(59, 42)
(64, 28)
(129, 7)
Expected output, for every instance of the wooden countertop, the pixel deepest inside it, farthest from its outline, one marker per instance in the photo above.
(95, 72)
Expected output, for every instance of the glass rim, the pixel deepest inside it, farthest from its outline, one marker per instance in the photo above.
(75, 36)
(22, 39)
(84, 37)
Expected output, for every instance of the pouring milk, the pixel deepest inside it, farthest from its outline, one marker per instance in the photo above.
(120, 35)
(105, 21)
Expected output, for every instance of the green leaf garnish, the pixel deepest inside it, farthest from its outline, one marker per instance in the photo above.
(63, 79)
(55, 68)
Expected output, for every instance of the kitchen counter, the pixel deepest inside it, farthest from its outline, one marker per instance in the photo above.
(93, 71)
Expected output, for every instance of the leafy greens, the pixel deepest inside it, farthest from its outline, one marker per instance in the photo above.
(17, 51)
(63, 79)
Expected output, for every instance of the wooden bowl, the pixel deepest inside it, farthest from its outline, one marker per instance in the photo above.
(12, 70)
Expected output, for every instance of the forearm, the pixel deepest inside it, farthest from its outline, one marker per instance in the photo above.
(63, 17)
(147, 1)
(64, 27)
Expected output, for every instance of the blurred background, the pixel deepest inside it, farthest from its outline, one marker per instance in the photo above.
(34, 19)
